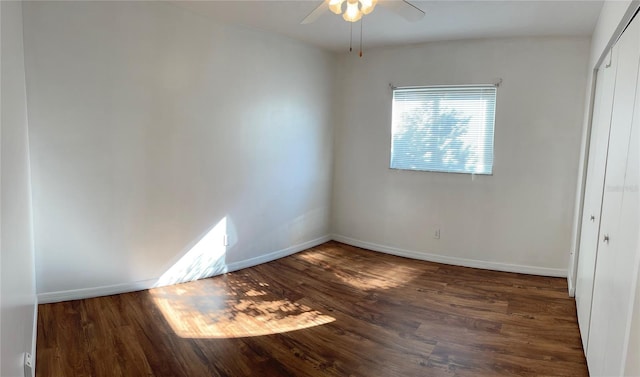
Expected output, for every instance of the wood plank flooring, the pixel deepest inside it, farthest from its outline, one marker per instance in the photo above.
(333, 310)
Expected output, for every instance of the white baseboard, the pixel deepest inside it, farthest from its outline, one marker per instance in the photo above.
(497, 266)
(235, 266)
(34, 336)
(77, 294)
(572, 288)
(106, 290)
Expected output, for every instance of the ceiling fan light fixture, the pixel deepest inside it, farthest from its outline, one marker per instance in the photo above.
(353, 13)
(367, 6)
(336, 6)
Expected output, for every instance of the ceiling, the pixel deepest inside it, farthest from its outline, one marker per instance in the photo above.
(444, 20)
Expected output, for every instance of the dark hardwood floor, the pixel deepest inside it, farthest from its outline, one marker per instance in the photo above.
(334, 310)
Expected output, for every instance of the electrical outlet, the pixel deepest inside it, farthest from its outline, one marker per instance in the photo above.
(225, 240)
(28, 365)
(436, 235)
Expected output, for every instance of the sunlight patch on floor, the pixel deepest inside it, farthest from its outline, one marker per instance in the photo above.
(383, 276)
(230, 309)
(388, 278)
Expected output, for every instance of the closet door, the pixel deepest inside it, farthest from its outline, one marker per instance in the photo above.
(615, 268)
(599, 142)
(628, 259)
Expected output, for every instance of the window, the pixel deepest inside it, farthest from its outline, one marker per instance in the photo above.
(443, 129)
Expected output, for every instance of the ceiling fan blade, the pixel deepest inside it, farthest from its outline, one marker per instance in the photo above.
(404, 9)
(316, 13)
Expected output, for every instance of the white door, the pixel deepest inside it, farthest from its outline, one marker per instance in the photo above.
(599, 143)
(627, 259)
(614, 265)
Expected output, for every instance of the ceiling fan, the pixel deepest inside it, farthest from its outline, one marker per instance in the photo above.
(354, 9)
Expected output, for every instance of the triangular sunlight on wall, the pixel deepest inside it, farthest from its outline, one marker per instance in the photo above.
(205, 259)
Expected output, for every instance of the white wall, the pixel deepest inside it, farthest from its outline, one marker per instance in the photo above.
(609, 20)
(518, 219)
(17, 284)
(150, 125)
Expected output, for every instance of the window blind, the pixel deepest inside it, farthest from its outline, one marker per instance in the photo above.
(443, 129)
